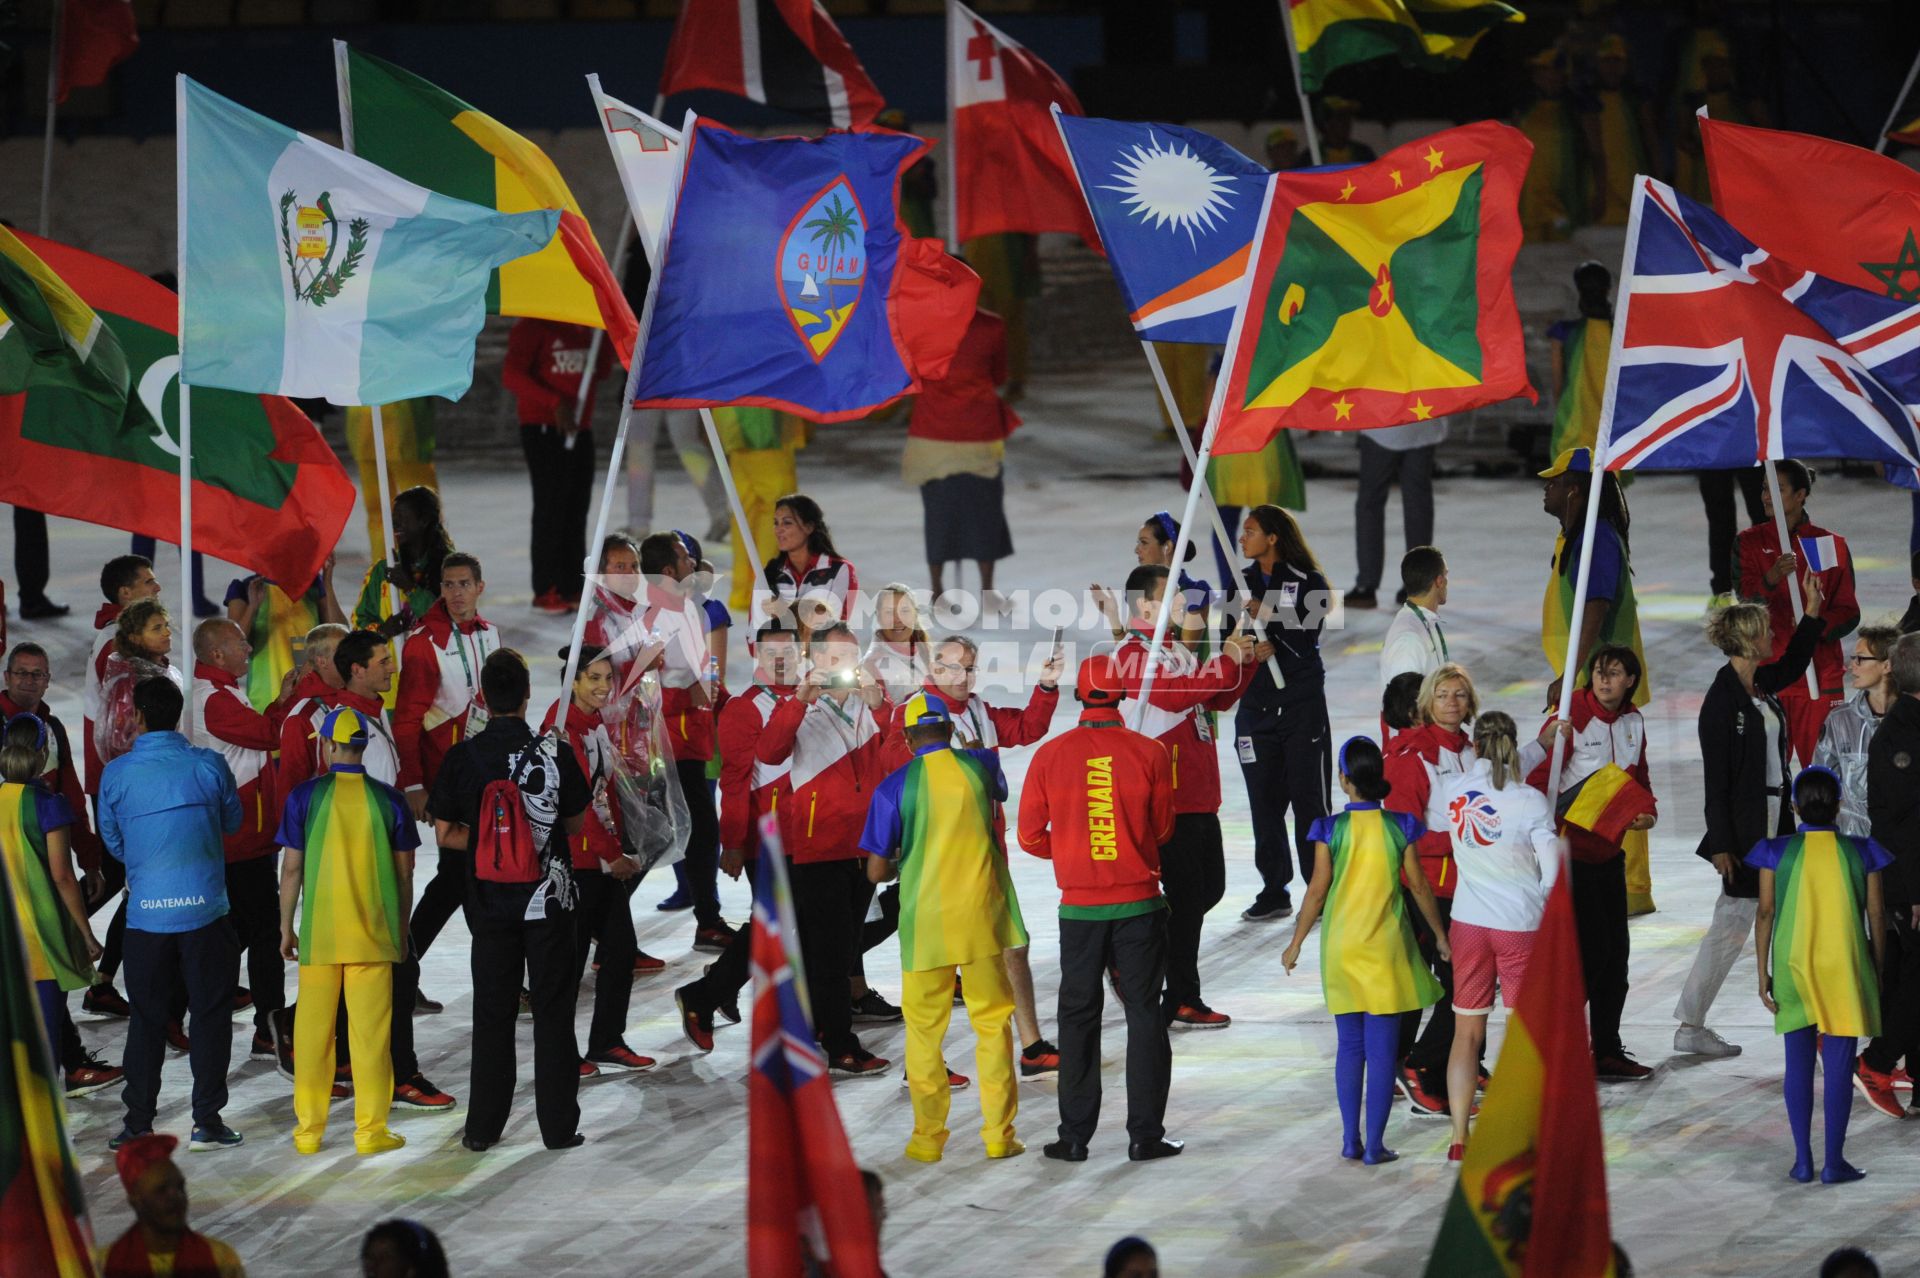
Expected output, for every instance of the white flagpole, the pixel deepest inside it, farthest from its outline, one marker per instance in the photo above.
(1893, 116)
(1793, 578)
(186, 400)
(1299, 85)
(599, 337)
(953, 157)
(53, 109)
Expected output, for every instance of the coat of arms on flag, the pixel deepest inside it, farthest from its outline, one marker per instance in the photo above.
(823, 263)
(310, 248)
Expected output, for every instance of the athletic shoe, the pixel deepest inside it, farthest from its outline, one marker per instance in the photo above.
(1262, 911)
(1359, 599)
(242, 998)
(680, 899)
(1040, 1059)
(730, 1011)
(280, 1027)
(714, 939)
(124, 1136)
(424, 1006)
(41, 608)
(645, 964)
(588, 1069)
(955, 1082)
(958, 996)
(549, 601)
(1618, 1067)
(871, 1009)
(1902, 1081)
(859, 1063)
(385, 1142)
(695, 1023)
(1698, 1040)
(342, 1081)
(1419, 1099)
(1877, 1087)
(421, 1094)
(262, 1048)
(1456, 1153)
(1198, 1016)
(623, 1059)
(103, 1000)
(177, 1042)
(214, 1136)
(92, 1075)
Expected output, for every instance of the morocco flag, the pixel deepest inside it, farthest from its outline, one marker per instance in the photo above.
(268, 493)
(1382, 294)
(424, 134)
(95, 37)
(1011, 171)
(786, 54)
(1531, 1201)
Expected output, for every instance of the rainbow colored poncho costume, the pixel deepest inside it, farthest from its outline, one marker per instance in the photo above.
(1823, 973)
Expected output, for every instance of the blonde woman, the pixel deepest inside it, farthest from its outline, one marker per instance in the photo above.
(1508, 855)
(1743, 747)
(898, 657)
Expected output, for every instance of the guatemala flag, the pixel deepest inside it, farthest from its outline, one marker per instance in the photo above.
(309, 272)
(1177, 211)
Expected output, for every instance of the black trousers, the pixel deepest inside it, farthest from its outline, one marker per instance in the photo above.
(1428, 1052)
(1137, 947)
(1193, 874)
(207, 959)
(406, 984)
(562, 495)
(829, 901)
(727, 975)
(605, 919)
(1716, 494)
(31, 564)
(445, 893)
(114, 875)
(703, 841)
(1380, 469)
(253, 903)
(1291, 769)
(505, 946)
(1600, 919)
(1899, 994)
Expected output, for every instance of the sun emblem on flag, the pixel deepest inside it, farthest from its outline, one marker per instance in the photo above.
(823, 265)
(1475, 819)
(309, 238)
(1171, 187)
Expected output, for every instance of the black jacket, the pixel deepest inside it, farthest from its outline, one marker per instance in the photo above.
(1300, 601)
(1733, 750)
(1911, 621)
(1893, 797)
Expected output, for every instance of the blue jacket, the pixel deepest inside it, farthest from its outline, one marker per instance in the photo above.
(163, 808)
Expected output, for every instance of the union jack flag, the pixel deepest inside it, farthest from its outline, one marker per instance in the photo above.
(805, 1196)
(1725, 355)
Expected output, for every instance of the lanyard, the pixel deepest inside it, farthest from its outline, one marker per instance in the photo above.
(1434, 631)
(480, 654)
(824, 700)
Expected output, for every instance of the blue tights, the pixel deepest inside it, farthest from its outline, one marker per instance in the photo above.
(1836, 1057)
(1368, 1044)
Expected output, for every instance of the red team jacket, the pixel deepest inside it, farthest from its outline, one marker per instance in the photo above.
(1183, 691)
(226, 722)
(1098, 803)
(300, 752)
(543, 367)
(1416, 757)
(749, 788)
(1758, 547)
(598, 842)
(834, 761)
(439, 686)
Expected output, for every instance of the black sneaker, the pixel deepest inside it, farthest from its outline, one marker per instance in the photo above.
(115, 1142)
(871, 1009)
(1040, 1059)
(424, 1006)
(1262, 911)
(102, 999)
(859, 1063)
(280, 1026)
(1358, 598)
(214, 1136)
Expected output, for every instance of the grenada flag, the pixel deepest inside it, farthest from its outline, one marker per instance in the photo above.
(1531, 1201)
(426, 135)
(1382, 294)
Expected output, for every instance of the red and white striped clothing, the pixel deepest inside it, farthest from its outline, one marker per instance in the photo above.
(224, 721)
(750, 788)
(833, 753)
(439, 695)
(1184, 689)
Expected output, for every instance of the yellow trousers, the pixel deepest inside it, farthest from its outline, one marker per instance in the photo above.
(369, 991)
(926, 1001)
(1639, 873)
(764, 476)
(409, 461)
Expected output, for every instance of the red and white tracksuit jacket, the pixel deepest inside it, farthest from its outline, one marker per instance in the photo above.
(681, 624)
(439, 691)
(224, 721)
(749, 789)
(598, 843)
(826, 575)
(833, 753)
(104, 623)
(63, 779)
(299, 732)
(1417, 757)
(1184, 689)
(1600, 737)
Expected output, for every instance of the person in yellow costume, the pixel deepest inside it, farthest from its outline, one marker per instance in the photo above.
(1553, 198)
(760, 444)
(408, 428)
(276, 625)
(1580, 350)
(1707, 78)
(1008, 265)
(1626, 132)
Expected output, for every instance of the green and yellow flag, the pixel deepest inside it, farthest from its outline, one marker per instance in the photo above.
(1382, 294)
(1436, 35)
(424, 134)
(1531, 1201)
(50, 339)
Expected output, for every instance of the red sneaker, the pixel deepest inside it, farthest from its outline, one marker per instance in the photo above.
(1199, 1017)
(858, 1063)
(1419, 1099)
(645, 964)
(621, 1058)
(1618, 1067)
(1040, 1059)
(421, 1094)
(104, 1000)
(92, 1075)
(1902, 1081)
(262, 1049)
(549, 601)
(1877, 1087)
(177, 1039)
(588, 1069)
(1456, 1153)
(711, 940)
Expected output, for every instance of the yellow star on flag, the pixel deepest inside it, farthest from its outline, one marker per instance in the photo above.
(1433, 157)
(1342, 409)
(1395, 175)
(1421, 410)
(1346, 192)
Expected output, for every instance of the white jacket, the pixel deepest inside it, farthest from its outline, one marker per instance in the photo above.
(1504, 844)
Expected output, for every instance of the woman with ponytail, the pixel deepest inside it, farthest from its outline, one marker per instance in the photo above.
(1370, 967)
(1507, 854)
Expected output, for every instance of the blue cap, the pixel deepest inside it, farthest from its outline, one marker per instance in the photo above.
(345, 726)
(924, 707)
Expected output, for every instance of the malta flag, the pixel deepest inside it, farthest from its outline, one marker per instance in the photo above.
(1011, 171)
(95, 37)
(805, 1197)
(786, 54)
(1531, 1201)
(647, 154)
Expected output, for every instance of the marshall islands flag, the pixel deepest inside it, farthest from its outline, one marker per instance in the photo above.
(309, 272)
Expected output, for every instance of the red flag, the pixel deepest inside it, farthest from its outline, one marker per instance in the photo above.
(805, 1194)
(95, 37)
(1860, 228)
(781, 53)
(935, 296)
(1011, 171)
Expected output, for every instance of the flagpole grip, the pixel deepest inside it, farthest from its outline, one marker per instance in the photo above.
(1793, 578)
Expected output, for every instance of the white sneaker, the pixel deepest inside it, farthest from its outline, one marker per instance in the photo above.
(1698, 1040)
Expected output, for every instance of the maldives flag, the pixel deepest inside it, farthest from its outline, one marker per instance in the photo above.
(1531, 1201)
(786, 54)
(1011, 171)
(95, 37)
(804, 1191)
(268, 493)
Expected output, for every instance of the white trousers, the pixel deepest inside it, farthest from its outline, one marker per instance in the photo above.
(1728, 935)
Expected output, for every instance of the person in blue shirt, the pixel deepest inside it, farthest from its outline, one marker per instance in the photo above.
(163, 808)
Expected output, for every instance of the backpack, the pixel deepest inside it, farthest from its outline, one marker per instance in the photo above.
(503, 847)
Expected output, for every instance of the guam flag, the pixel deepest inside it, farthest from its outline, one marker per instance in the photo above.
(802, 1182)
(1382, 294)
(1531, 1201)
(788, 281)
(1176, 211)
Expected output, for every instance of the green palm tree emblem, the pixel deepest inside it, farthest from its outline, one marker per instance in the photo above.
(833, 230)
